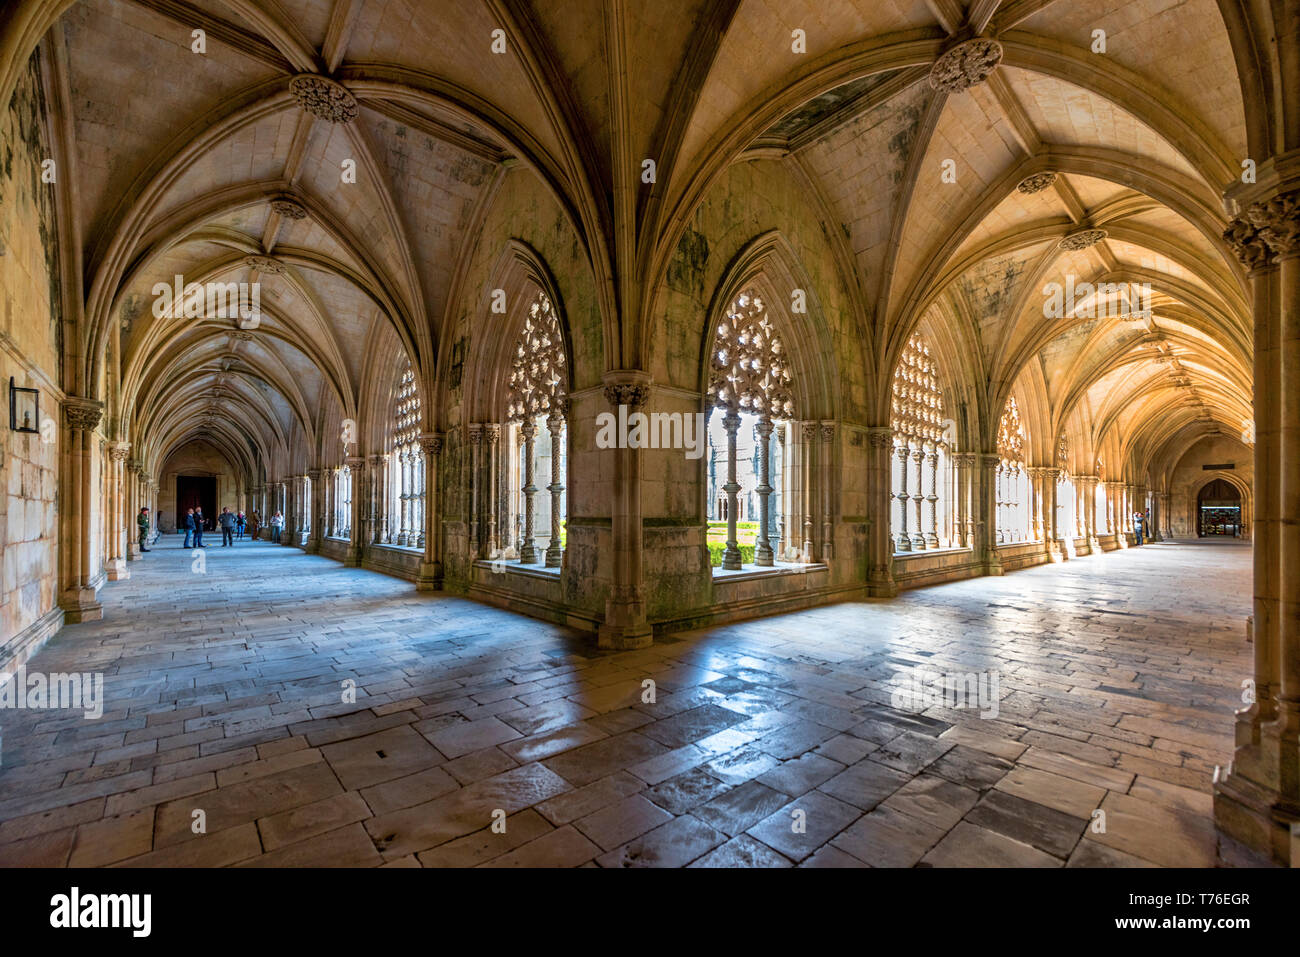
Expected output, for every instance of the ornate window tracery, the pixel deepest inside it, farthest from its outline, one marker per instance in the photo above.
(1011, 477)
(750, 382)
(538, 410)
(401, 521)
(917, 424)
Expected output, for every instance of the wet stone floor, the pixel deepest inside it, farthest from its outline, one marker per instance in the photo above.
(482, 737)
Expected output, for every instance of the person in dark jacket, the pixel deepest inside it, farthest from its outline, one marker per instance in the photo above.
(198, 528)
(227, 522)
(239, 526)
(142, 523)
(189, 527)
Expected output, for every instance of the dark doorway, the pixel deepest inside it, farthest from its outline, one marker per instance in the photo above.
(196, 491)
(1218, 510)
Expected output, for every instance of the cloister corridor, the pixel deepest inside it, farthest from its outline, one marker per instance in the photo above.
(1118, 677)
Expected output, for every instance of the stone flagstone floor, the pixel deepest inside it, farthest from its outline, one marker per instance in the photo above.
(1118, 675)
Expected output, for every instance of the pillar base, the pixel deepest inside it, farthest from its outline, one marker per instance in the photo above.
(117, 570)
(80, 604)
(353, 558)
(133, 552)
(624, 637)
(880, 583)
(1256, 817)
(429, 578)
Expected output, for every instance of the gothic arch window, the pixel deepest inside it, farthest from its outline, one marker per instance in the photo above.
(1011, 478)
(750, 384)
(922, 518)
(538, 436)
(401, 518)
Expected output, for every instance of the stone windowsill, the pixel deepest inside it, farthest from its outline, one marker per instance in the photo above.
(513, 567)
(749, 572)
(402, 549)
(950, 550)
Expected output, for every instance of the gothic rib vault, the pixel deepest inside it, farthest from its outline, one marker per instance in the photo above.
(401, 196)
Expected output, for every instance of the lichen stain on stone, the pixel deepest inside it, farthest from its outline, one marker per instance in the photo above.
(686, 270)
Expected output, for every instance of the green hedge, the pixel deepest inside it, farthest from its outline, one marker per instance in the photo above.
(717, 548)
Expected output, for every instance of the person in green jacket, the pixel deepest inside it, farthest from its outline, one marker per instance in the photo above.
(142, 520)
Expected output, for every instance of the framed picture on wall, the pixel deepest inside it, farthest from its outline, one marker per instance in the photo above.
(24, 408)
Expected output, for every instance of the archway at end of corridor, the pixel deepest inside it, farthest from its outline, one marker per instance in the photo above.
(1218, 510)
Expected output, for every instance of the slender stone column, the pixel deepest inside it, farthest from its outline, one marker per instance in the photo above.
(528, 428)
(357, 520)
(316, 516)
(918, 497)
(903, 541)
(476, 480)
(131, 495)
(378, 497)
(430, 575)
(827, 462)
(880, 570)
(731, 554)
(809, 430)
(625, 624)
(555, 424)
(932, 496)
(986, 524)
(118, 532)
(763, 547)
(963, 466)
(493, 434)
(78, 600)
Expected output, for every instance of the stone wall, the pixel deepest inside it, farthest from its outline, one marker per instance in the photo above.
(29, 353)
(1189, 477)
(195, 458)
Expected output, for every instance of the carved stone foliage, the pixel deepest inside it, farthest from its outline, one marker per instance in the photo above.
(748, 371)
(632, 395)
(85, 417)
(264, 264)
(1011, 434)
(289, 208)
(916, 407)
(1247, 244)
(1278, 222)
(539, 367)
(1036, 183)
(1082, 239)
(965, 65)
(322, 97)
(406, 417)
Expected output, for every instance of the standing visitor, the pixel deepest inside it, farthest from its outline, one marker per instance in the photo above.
(142, 522)
(254, 524)
(1137, 528)
(198, 528)
(277, 525)
(239, 526)
(227, 522)
(189, 527)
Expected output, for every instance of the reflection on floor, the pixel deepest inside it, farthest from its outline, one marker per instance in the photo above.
(767, 743)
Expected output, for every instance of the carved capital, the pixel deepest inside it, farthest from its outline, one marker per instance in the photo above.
(313, 475)
(475, 434)
(493, 433)
(431, 442)
(965, 65)
(324, 98)
(83, 414)
(120, 451)
(631, 394)
(1278, 222)
(828, 431)
(1247, 244)
(880, 437)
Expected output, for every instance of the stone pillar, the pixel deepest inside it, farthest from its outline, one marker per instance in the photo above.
(902, 540)
(476, 480)
(918, 497)
(986, 532)
(77, 598)
(430, 575)
(493, 434)
(827, 462)
(528, 554)
(932, 497)
(379, 498)
(731, 554)
(357, 521)
(880, 543)
(625, 624)
(962, 464)
(118, 532)
(131, 497)
(763, 547)
(555, 424)
(809, 430)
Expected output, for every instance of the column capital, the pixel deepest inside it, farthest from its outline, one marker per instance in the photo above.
(314, 475)
(828, 430)
(1248, 245)
(1278, 222)
(475, 430)
(81, 413)
(120, 451)
(376, 460)
(880, 436)
(354, 462)
(431, 442)
(629, 387)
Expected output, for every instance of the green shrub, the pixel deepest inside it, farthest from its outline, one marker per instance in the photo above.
(717, 548)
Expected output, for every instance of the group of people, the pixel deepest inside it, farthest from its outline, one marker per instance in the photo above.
(233, 525)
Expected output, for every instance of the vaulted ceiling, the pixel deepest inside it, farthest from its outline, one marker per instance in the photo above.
(207, 165)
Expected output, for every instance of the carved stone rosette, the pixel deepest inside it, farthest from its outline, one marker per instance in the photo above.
(324, 98)
(965, 65)
(1036, 183)
(288, 208)
(1082, 239)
